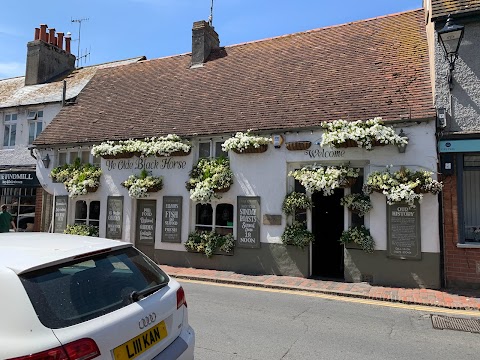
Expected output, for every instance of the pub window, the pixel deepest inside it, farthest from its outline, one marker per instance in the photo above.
(87, 213)
(9, 130)
(211, 149)
(471, 197)
(62, 158)
(218, 218)
(35, 125)
(21, 204)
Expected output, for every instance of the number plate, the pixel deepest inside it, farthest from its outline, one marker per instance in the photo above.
(138, 345)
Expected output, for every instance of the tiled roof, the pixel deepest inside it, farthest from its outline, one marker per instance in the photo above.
(441, 8)
(376, 67)
(13, 91)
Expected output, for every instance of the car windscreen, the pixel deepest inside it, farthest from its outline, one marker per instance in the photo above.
(77, 291)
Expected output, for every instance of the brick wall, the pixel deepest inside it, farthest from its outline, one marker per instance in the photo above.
(462, 266)
(38, 209)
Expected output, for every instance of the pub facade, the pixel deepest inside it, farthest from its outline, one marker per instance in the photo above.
(209, 96)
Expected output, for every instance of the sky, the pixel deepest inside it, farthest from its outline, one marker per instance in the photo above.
(120, 29)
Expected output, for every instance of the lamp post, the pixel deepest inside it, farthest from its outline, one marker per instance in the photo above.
(450, 36)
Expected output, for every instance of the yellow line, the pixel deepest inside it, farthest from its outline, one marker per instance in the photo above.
(423, 308)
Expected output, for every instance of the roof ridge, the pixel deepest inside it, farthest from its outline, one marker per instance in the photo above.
(325, 28)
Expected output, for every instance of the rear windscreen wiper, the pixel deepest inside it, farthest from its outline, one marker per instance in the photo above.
(137, 295)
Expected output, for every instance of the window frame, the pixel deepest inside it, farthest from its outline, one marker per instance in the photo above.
(213, 226)
(461, 169)
(36, 121)
(10, 122)
(87, 220)
(212, 149)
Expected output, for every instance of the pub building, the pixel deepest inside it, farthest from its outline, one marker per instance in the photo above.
(284, 89)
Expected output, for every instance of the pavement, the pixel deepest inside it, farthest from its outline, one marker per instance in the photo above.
(446, 298)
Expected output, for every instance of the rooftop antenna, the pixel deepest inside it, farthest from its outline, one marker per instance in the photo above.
(210, 18)
(79, 21)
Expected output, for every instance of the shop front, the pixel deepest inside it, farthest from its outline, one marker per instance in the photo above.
(19, 192)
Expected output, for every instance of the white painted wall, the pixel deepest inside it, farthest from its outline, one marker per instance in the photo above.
(265, 175)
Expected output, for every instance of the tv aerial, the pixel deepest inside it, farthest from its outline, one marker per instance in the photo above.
(81, 57)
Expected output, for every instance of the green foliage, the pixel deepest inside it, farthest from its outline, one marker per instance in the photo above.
(209, 242)
(297, 234)
(357, 203)
(78, 178)
(81, 229)
(294, 201)
(359, 235)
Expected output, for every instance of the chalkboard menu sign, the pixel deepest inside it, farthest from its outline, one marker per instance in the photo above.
(172, 219)
(61, 211)
(146, 219)
(114, 217)
(248, 221)
(403, 232)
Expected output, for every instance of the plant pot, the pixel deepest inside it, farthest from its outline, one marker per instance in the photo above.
(298, 145)
(252, 150)
(349, 182)
(352, 245)
(92, 189)
(154, 189)
(180, 153)
(126, 155)
(377, 143)
(224, 190)
(347, 144)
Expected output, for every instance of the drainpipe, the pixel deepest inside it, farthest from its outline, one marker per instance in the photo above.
(64, 95)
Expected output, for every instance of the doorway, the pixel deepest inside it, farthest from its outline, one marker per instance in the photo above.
(327, 226)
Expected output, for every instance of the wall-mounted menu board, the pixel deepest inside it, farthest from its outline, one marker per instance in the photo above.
(248, 221)
(146, 220)
(60, 214)
(172, 219)
(114, 217)
(403, 240)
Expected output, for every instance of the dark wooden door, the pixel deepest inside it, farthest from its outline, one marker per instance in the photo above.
(327, 226)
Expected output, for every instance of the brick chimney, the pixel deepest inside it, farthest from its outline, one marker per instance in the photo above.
(46, 58)
(204, 40)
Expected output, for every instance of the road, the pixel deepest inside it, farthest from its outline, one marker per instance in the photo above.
(251, 323)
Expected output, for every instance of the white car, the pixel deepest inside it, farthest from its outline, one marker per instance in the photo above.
(68, 297)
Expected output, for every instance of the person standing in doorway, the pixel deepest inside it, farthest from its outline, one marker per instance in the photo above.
(6, 220)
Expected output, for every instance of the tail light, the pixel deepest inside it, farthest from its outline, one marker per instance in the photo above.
(181, 298)
(83, 349)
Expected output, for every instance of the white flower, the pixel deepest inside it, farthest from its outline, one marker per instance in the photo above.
(242, 141)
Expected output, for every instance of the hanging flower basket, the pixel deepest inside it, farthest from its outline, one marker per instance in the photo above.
(298, 145)
(349, 182)
(223, 190)
(347, 144)
(175, 153)
(92, 189)
(139, 185)
(126, 155)
(363, 134)
(252, 149)
(78, 178)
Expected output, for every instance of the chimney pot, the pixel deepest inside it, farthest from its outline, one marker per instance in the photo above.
(37, 34)
(67, 43)
(51, 37)
(60, 40)
(43, 32)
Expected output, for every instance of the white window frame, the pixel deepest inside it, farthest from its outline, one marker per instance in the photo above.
(212, 144)
(10, 122)
(214, 226)
(87, 220)
(35, 118)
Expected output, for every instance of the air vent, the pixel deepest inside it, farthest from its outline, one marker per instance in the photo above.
(441, 322)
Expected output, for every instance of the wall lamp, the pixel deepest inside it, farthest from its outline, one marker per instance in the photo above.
(450, 37)
(46, 161)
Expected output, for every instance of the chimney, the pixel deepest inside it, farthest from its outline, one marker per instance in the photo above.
(46, 58)
(204, 40)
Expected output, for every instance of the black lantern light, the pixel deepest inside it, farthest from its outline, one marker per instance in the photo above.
(450, 37)
(46, 161)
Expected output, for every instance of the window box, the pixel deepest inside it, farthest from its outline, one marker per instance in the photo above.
(298, 145)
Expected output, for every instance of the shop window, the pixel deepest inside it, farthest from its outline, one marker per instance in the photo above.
(471, 198)
(211, 149)
(9, 130)
(87, 212)
(35, 125)
(21, 204)
(222, 214)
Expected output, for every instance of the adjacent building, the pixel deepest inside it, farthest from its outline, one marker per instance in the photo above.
(457, 100)
(27, 105)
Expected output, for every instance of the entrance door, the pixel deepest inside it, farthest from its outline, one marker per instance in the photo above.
(327, 226)
(145, 227)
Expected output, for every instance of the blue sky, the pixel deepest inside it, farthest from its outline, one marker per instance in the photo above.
(121, 29)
